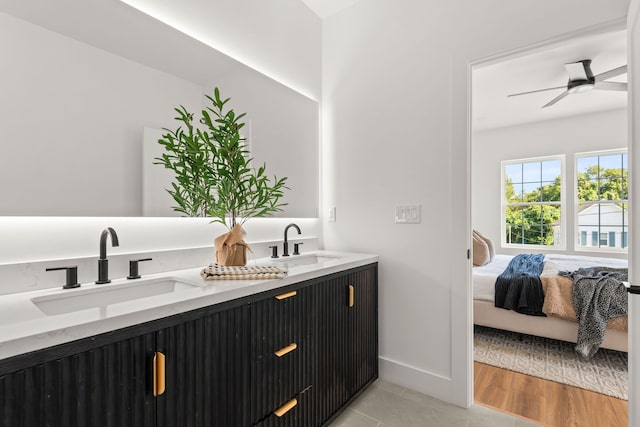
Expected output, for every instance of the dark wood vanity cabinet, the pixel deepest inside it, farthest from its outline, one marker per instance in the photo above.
(348, 340)
(92, 385)
(287, 357)
(204, 369)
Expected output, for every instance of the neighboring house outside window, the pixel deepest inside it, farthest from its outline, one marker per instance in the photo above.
(533, 202)
(602, 200)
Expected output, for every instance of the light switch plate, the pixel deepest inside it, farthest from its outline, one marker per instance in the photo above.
(332, 214)
(408, 214)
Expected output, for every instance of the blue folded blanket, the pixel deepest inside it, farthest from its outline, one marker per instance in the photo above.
(519, 287)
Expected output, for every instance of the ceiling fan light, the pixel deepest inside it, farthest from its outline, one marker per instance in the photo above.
(581, 88)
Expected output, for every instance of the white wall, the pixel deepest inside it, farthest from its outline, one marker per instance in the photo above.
(395, 114)
(568, 136)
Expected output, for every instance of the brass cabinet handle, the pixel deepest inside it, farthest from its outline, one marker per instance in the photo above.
(287, 349)
(286, 407)
(287, 295)
(352, 291)
(158, 374)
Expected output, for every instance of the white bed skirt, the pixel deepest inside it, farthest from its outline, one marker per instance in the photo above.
(486, 314)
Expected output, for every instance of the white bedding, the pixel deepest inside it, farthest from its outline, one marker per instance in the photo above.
(484, 277)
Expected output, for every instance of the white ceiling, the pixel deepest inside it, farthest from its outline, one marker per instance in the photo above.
(541, 69)
(325, 8)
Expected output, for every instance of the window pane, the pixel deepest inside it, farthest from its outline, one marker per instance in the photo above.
(550, 236)
(624, 237)
(513, 192)
(588, 220)
(583, 238)
(551, 191)
(531, 172)
(612, 239)
(531, 192)
(611, 189)
(611, 215)
(531, 215)
(611, 161)
(551, 170)
(513, 172)
(551, 215)
(587, 166)
(532, 235)
(513, 223)
(588, 190)
(594, 238)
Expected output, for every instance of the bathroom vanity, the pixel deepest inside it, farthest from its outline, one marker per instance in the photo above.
(288, 352)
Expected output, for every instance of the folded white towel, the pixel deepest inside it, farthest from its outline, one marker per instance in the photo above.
(220, 272)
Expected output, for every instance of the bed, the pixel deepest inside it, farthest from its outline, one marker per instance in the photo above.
(560, 321)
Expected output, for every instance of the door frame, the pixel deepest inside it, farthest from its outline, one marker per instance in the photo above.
(616, 25)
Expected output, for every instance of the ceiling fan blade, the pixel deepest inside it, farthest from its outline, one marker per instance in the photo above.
(577, 70)
(611, 73)
(535, 91)
(556, 99)
(611, 86)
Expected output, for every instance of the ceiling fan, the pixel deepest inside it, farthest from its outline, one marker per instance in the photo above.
(581, 79)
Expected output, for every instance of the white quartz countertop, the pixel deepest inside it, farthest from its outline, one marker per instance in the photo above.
(25, 327)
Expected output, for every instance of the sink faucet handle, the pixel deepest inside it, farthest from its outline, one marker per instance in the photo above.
(296, 248)
(133, 268)
(72, 276)
(274, 251)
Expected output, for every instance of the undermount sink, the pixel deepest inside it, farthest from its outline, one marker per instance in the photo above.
(100, 296)
(309, 259)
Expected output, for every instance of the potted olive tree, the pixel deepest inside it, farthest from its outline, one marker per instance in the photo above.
(214, 176)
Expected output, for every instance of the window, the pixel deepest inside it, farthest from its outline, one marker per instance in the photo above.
(602, 200)
(533, 202)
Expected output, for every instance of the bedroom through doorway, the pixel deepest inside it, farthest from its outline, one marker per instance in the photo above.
(549, 210)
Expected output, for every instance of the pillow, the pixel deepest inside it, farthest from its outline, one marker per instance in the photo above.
(481, 254)
(489, 242)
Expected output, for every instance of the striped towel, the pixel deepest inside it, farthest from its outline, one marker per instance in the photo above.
(220, 272)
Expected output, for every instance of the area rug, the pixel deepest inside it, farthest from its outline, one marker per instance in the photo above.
(554, 360)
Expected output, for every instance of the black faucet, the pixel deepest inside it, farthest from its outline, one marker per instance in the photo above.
(285, 245)
(103, 262)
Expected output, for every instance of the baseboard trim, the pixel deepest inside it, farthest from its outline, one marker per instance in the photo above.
(414, 378)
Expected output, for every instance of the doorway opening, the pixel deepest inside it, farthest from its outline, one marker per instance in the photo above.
(549, 134)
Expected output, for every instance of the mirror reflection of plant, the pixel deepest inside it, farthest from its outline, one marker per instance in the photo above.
(213, 170)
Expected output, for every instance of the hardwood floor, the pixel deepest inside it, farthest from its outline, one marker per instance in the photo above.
(545, 402)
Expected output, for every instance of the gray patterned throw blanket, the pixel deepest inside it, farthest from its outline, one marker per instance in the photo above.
(598, 296)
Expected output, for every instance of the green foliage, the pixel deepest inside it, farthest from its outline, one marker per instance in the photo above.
(533, 224)
(605, 184)
(213, 173)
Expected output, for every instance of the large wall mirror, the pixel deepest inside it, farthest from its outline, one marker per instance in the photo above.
(81, 83)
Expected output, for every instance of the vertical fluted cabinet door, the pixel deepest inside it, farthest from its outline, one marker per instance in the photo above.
(363, 330)
(333, 345)
(106, 386)
(347, 337)
(205, 370)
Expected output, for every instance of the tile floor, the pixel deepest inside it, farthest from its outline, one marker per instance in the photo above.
(384, 404)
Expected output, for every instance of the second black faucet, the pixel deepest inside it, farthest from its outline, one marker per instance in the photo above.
(285, 245)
